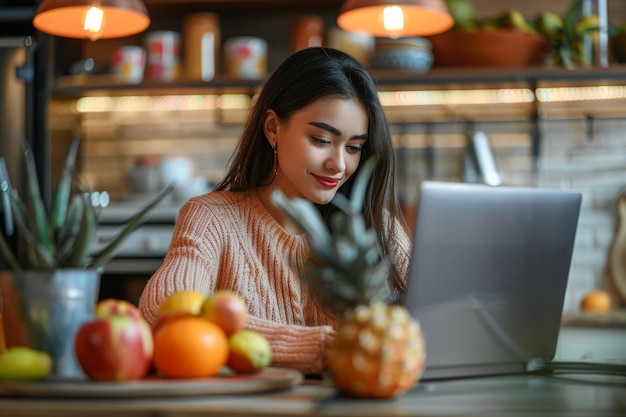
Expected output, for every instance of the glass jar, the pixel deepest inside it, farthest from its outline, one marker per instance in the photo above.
(246, 57)
(163, 55)
(201, 36)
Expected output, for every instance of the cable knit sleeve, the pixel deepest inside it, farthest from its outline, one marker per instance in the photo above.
(298, 347)
(225, 241)
(190, 263)
(400, 251)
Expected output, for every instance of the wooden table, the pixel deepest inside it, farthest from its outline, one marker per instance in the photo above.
(580, 395)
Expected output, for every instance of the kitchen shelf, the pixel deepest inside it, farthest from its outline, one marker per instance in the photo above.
(94, 86)
(526, 75)
(437, 78)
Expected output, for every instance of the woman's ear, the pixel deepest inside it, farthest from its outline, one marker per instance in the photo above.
(270, 127)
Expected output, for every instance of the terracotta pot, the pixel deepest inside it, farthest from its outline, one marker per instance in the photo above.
(488, 48)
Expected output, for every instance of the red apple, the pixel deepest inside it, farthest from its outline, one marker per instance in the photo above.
(248, 352)
(113, 306)
(114, 348)
(226, 309)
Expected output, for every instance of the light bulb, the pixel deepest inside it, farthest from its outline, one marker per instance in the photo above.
(393, 19)
(93, 22)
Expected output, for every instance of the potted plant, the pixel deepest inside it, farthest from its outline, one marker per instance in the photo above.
(53, 282)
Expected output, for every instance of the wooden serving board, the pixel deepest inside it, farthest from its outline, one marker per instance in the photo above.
(269, 379)
(614, 318)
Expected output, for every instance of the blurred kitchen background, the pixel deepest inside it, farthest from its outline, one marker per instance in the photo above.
(546, 126)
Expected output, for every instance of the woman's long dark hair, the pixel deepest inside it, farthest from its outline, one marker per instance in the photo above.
(301, 79)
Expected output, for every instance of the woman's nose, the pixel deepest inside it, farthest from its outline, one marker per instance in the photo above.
(336, 162)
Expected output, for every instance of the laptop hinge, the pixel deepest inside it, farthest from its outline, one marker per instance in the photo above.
(535, 364)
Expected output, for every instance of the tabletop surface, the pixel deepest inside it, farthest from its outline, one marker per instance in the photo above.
(521, 395)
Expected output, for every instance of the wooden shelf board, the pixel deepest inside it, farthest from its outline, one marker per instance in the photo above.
(437, 78)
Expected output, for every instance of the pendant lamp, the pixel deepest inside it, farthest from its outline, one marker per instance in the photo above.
(91, 19)
(395, 18)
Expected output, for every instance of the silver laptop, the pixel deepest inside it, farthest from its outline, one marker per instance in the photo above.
(488, 275)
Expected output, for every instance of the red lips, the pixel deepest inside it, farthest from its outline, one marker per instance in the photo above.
(327, 182)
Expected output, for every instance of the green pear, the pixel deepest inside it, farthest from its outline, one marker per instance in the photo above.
(20, 363)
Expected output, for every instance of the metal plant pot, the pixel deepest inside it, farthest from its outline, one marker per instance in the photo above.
(44, 309)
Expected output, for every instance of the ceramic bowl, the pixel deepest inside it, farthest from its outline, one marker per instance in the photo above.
(176, 169)
(406, 54)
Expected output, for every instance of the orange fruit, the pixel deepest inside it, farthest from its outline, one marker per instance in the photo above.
(596, 301)
(184, 301)
(190, 347)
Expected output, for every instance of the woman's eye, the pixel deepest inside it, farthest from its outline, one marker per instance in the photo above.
(354, 149)
(320, 141)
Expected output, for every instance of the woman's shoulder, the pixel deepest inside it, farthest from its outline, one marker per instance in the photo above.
(222, 198)
(222, 202)
(229, 210)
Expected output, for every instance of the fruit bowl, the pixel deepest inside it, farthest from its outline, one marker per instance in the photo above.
(488, 48)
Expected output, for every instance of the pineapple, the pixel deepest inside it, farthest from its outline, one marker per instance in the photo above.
(379, 348)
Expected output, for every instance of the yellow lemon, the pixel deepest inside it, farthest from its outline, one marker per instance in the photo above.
(184, 301)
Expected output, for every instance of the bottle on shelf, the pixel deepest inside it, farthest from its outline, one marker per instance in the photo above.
(201, 37)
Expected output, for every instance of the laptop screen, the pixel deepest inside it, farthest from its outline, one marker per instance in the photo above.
(488, 275)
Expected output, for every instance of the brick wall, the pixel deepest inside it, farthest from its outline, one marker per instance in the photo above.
(581, 154)
(595, 165)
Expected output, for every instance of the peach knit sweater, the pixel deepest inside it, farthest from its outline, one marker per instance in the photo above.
(228, 240)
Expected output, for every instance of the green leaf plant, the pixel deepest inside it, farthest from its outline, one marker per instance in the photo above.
(568, 35)
(62, 235)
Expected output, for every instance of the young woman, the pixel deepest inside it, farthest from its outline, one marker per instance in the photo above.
(317, 118)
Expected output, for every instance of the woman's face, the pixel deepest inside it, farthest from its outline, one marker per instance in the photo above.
(319, 148)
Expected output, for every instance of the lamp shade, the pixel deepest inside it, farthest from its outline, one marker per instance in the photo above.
(395, 18)
(66, 18)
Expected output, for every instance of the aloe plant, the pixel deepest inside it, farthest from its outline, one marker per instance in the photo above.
(62, 235)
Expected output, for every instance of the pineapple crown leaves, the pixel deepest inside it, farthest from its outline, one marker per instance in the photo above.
(62, 236)
(348, 268)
